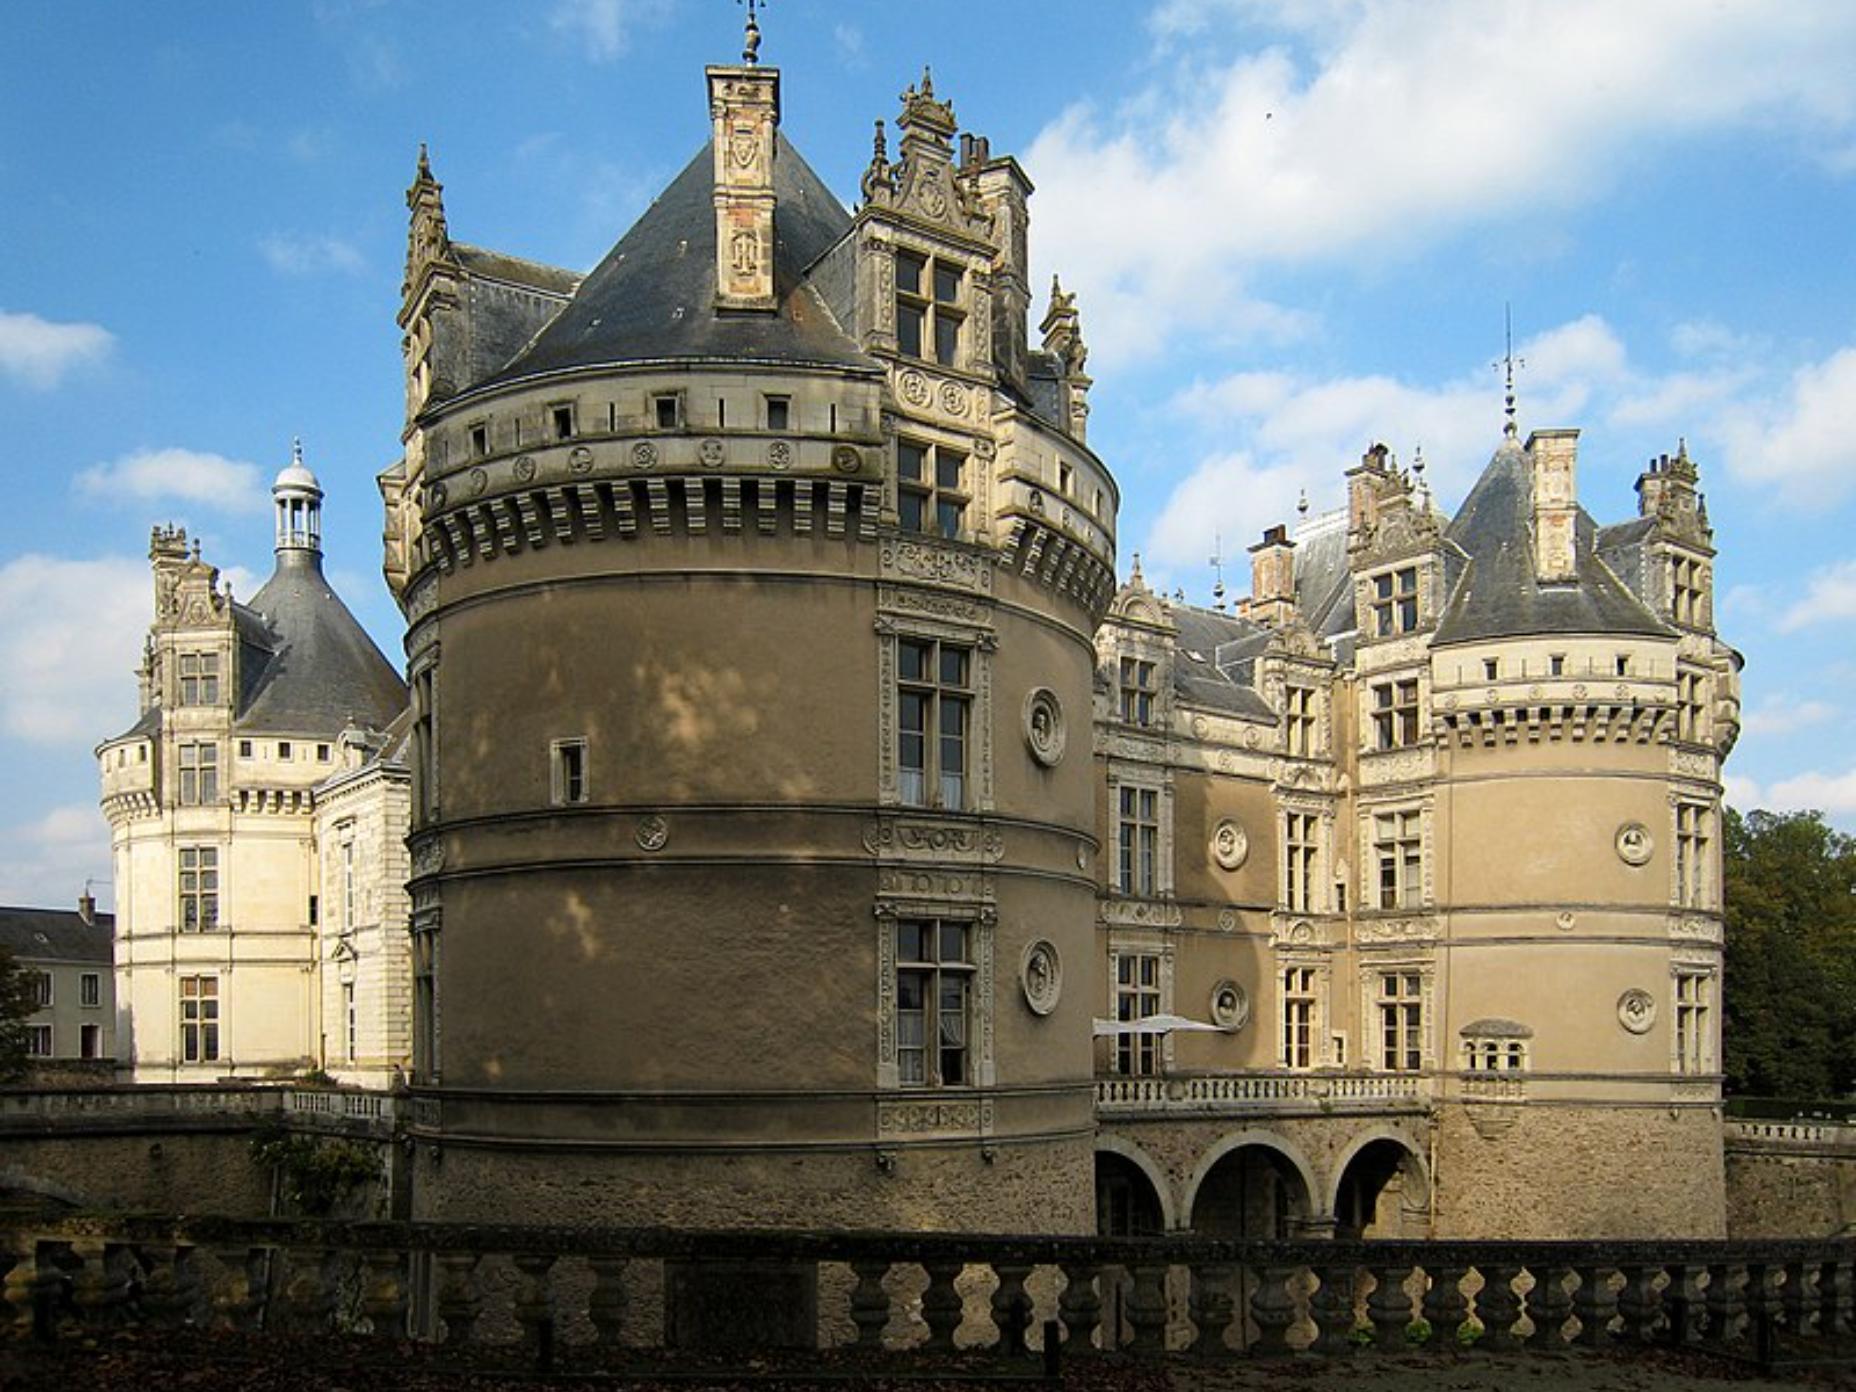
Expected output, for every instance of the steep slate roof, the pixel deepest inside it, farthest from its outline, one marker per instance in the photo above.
(1217, 678)
(500, 265)
(59, 935)
(1323, 581)
(321, 670)
(1499, 596)
(653, 297)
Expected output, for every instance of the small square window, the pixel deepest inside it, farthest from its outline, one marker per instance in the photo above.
(244, 749)
(1066, 479)
(1491, 668)
(323, 753)
(90, 989)
(667, 411)
(1556, 665)
(283, 749)
(1623, 664)
(563, 417)
(567, 775)
(479, 440)
(779, 412)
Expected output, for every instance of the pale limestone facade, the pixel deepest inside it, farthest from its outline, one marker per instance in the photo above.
(246, 763)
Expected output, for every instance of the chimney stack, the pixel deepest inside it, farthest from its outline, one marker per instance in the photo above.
(87, 906)
(745, 102)
(1553, 457)
(1272, 579)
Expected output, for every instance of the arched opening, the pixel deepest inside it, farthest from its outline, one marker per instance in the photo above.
(1381, 1193)
(1127, 1204)
(1251, 1191)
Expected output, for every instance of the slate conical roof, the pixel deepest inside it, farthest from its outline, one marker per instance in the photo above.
(307, 665)
(1499, 596)
(653, 297)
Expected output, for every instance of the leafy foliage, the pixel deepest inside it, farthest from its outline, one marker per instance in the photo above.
(314, 1175)
(1789, 1028)
(18, 1000)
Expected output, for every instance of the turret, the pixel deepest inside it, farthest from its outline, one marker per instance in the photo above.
(297, 498)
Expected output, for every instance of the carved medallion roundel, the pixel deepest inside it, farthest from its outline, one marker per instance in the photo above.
(653, 833)
(644, 455)
(1634, 843)
(1230, 1006)
(1041, 975)
(1637, 1010)
(1044, 731)
(1230, 844)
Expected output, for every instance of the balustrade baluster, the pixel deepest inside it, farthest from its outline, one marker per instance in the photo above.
(941, 1305)
(535, 1300)
(22, 1256)
(1445, 1306)
(1762, 1304)
(460, 1301)
(1638, 1302)
(870, 1302)
(241, 1286)
(1211, 1307)
(1498, 1307)
(1684, 1304)
(605, 1306)
(101, 1282)
(1725, 1302)
(383, 1292)
(1389, 1306)
(1272, 1306)
(1147, 1309)
(309, 1292)
(1332, 1310)
(171, 1289)
(1548, 1306)
(1080, 1306)
(1798, 1298)
(1011, 1306)
(1594, 1304)
(1833, 1293)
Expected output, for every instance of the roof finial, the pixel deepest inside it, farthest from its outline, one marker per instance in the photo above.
(1301, 502)
(1508, 362)
(750, 48)
(1135, 577)
(1217, 564)
(296, 449)
(927, 81)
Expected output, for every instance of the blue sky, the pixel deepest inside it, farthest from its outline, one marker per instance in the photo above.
(1292, 228)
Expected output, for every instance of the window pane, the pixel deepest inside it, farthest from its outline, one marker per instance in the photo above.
(911, 510)
(946, 282)
(953, 942)
(909, 330)
(909, 269)
(914, 658)
(949, 518)
(911, 461)
(953, 666)
(947, 469)
(946, 339)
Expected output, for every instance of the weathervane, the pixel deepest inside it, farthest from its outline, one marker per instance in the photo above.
(750, 49)
(1507, 363)
(1217, 564)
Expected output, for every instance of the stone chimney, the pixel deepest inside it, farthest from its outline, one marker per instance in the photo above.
(1553, 457)
(1366, 482)
(745, 103)
(1003, 193)
(1667, 491)
(1272, 579)
(87, 907)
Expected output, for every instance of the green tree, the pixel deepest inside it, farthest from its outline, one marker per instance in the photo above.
(18, 999)
(1789, 1028)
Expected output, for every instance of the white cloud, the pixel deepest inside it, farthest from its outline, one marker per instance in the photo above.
(1829, 595)
(850, 43)
(1800, 443)
(1681, 398)
(1781, 715)
(1403, 124)
(1708, 338)
(304, 254)
(193, 476)
(604, 27)
(1301, 434)
(70, 636)
(1830, 793)
(38, 352)
(45, 863)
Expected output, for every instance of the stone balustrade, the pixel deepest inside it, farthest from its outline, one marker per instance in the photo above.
(189, 1105)
(1227, 1094)
(576, 1294)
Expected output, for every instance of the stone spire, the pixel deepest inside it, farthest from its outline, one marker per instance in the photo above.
(427, 237)
(1062, 328)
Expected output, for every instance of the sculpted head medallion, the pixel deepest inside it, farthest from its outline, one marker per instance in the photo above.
(1041, 975)
(1044, 732)
(1634, 843)
(1230, 844)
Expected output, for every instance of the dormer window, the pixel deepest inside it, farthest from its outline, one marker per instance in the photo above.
(199, 679)
(1395, 602)
(1137, 691)
(928, 314)
(1686, 591)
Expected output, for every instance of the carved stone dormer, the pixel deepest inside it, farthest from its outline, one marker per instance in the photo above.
(1063, 340)
(1679, 550)
(431, 298)
(1668, 492)
(744, 103)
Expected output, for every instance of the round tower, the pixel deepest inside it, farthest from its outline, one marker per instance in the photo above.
(750, 605)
